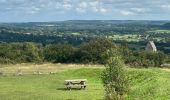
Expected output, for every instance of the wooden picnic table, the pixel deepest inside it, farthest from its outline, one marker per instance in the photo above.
(82, 83)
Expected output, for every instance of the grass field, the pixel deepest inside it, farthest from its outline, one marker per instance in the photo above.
(161, 31)
(146, 84)
(127, 37)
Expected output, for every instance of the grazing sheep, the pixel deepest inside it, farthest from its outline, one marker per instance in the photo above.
(19, 72)
(37, 72)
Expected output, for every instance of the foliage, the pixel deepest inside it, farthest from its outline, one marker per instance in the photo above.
(59, 53)
(77, 32)
(125, 52)
(148, 59)
(92, 51)
(114, 76)
(88, 53)
(20, 53)
(166, 26)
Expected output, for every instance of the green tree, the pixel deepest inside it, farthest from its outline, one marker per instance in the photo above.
(114, 77)
(31, 52)
(146, 59)
(59, 53)
(20, 52)
(92, 51)
(126, 53)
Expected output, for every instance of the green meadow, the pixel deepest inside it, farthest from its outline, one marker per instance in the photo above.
(145, 84)
(161, 31)
(127, 37)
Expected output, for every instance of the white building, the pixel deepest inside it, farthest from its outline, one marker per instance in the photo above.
(150, 47)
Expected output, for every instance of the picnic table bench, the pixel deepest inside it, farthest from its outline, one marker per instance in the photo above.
(76, 83)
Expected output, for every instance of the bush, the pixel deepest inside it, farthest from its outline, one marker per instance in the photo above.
(146, 59)
(114, 77)
(6, 61)
(20, 52)
(92, 51)
(62, 53)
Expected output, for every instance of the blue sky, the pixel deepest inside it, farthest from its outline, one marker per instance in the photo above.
(57, 10)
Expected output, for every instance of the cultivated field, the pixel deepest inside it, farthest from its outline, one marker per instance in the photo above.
(160, 31)
(146, 84)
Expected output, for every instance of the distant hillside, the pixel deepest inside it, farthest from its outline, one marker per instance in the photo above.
(166, 26)
(77, 31)
(87, 27)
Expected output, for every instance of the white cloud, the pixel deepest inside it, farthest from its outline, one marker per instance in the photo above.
(126, 13)
(92, 7)
(94, 3)
(66, 1)
(95, 9)
(67, 6)
(32, 12)
(83, 4)
(103, 10)
(82, 7)
(165, 6)
(81, 10)
(139, 9)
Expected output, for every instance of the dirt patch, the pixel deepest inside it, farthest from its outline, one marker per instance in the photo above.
(44, 68)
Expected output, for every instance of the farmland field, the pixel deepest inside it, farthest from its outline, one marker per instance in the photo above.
(160, 31)
(127, 37)
(146, 84)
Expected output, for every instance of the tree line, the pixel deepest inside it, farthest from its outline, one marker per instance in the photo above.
(87, 53)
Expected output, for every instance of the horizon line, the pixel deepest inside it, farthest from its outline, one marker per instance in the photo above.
(88, 20)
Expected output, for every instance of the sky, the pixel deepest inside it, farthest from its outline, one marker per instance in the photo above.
(60, 10)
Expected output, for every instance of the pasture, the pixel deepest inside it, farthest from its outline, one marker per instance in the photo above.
(146, 84)
(127, 37)
(160, 31)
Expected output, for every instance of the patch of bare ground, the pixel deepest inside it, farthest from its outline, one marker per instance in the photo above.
(166, 69)
(45, 68)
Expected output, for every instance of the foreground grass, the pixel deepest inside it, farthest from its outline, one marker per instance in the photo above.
(149, 84)
(146, 84)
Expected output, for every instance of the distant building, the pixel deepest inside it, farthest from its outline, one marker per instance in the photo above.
(150, 47)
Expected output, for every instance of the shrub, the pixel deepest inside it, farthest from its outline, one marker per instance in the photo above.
(114, 77)
(59, 53)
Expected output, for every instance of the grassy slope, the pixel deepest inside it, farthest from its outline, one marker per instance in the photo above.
(146, 84)
(149, 84)
(50, 87)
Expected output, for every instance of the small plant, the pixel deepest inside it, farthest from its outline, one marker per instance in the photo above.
(114, 77)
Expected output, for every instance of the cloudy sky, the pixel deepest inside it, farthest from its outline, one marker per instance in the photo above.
(56, 10)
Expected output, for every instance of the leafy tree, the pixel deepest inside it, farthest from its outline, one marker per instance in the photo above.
(92, 51)
(59, 53)
(20, 52)
(145, 59)
(31, 52)
(126, 53)
(114, 77)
